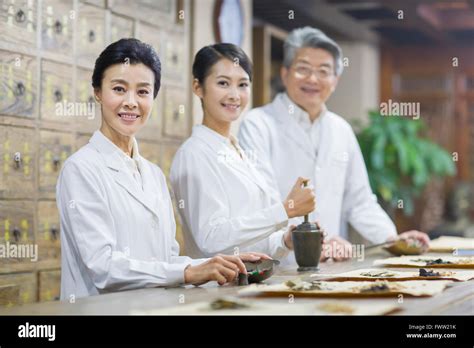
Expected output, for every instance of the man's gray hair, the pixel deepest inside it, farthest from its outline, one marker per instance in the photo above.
(311, 37)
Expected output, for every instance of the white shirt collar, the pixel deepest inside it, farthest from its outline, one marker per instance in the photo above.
(300, 115)
(113, 154)
(108, 146)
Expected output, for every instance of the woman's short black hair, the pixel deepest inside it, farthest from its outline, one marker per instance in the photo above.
(210, 55)
(131, 51)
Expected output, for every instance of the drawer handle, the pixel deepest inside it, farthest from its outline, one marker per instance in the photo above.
(18, 160)
(54, 233)
(19, 89)
(20, 16)
(58, 27)
(16, 234)
(56, 162)
(91, 36)
(58, 96)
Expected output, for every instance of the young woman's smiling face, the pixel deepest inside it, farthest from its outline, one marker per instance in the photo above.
(126, 95)
(225, 92)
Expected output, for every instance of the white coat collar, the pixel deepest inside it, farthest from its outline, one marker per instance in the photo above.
(211, 137)
(287, 113)
(112, 156)
(301, 116)
(222, 146)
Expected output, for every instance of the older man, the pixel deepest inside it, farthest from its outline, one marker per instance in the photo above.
(296, 135)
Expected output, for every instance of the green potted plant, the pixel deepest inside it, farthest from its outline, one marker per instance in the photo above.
(400, 160)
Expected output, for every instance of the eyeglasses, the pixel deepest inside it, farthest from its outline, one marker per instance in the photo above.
(305, 71)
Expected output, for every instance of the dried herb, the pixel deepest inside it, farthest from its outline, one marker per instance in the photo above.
(378, 287)
(428, 273)
(303, 286)
(437, 262)
(227, 304)
(433, 262)
(384, 274)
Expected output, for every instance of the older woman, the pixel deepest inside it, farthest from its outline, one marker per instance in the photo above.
(118, 229)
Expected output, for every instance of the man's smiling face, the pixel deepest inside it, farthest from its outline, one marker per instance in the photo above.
(311, 78)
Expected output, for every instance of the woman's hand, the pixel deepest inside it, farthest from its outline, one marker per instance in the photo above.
(253, 256)
(220, 268)
(300, 200)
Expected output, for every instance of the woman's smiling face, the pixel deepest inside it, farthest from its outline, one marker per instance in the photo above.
(126, 95)
(225, 92)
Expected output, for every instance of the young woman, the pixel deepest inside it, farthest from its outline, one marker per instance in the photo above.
(223, 201)
(118, 229)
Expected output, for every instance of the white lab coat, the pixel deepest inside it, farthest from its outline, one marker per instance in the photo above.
(283, 152)
(115, 235)
(224, 203)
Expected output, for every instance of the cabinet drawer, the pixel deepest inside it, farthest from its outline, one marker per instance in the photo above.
(57, 26)
(173, 56)
(150, 35)
(49, 285)
(55, 148)
(9, 294)
(48, 233)
(18, 248)
(151, 11)
(90, 38)
(27, 284)
(18, 22)
(176, 121)
(89, 119)
(120, 27)
(56, 92)
(18, 85)
(17, 162)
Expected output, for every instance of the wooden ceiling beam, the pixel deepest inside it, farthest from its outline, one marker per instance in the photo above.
(411, 19)
(331, 17)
